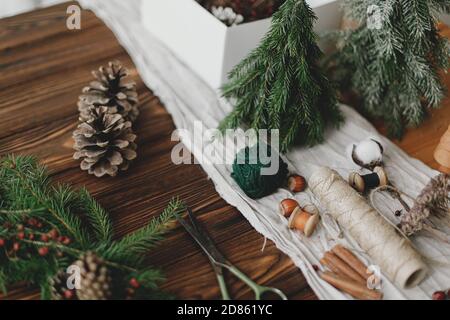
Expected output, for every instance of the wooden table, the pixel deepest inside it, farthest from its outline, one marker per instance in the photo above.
(43, 67)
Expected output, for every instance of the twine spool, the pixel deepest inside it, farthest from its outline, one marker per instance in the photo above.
(391, 252)
(364, 183)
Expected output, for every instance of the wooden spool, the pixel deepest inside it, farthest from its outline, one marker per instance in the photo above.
(358, 181)
(304, 221)
(442, 153)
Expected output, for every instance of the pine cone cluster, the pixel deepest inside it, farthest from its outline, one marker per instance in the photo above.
(432, 201)
(96, 281)
(104, 139)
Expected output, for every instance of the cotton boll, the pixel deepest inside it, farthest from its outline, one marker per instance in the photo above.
(368, 153)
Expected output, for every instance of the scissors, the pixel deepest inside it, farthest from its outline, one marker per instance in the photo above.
(219, 262)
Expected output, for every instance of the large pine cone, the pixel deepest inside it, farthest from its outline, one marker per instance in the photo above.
(105, 142)
(110, 88)
(96, 279)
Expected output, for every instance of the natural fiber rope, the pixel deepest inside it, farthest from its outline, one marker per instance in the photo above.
(391, 252)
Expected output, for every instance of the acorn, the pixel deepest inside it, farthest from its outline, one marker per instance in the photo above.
(287, 206)
(304, 221)
(296, 183)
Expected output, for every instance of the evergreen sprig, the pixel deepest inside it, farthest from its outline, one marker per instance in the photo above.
(280, 85)
(393, 59)
(44, 228)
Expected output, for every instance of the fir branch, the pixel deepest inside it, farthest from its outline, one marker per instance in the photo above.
(31, 182)
(98, 218)
(131, 246)
(36, 217)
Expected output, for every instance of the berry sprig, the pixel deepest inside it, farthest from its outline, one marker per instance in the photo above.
(30, 234)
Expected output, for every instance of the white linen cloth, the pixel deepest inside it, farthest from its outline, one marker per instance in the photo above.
(188, 99)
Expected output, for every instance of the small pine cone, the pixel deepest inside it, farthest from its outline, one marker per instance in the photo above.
(95, 283)
(59, 289)
(110, 88)
(105, 143)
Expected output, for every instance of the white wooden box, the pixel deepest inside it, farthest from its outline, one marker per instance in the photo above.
(208, 46)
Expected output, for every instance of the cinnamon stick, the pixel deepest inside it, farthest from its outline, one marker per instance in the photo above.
(353, 288)
(326, 263)
(344, 268)
(353, 261)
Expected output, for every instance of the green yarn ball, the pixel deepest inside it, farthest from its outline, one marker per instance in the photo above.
(247, 173)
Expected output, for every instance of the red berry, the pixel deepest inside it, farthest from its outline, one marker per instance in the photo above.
(439, 295)
(21, 235)
(38, 225)
(53, 234)
(16, 246)
(32, 222)
(66, 241)
(68, 294)
(134, 283)
(44, 238)
(2, 242)
(43, 251)
(31, 236)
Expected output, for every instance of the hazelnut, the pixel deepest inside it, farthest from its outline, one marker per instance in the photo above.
(287, 206)
(296, 183)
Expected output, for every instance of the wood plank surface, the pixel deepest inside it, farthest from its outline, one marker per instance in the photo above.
(43, 67)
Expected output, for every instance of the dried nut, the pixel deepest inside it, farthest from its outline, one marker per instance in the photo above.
(287, 206)
(296, 183)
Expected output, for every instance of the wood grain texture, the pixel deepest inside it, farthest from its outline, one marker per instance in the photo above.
(43, 67)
